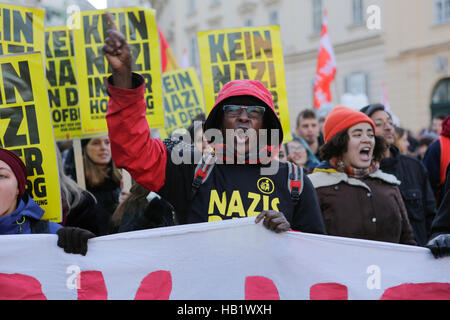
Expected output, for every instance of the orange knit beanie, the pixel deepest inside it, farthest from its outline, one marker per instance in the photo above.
(341, 118)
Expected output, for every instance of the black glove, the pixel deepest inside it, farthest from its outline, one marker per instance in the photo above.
(440, 246)
(74, 240)
(157, 213)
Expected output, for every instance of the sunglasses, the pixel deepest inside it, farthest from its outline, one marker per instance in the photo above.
(234, 111)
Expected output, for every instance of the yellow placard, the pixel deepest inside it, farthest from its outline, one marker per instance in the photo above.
(138, 25)
(26, 127)
(62, 83)
(183, 99)
(21, 29)
(245, 53)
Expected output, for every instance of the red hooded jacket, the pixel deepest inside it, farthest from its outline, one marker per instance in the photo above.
(231, 191)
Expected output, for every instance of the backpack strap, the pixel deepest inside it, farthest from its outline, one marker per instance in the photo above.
(295, 181)
(39, 226)
(202, 172)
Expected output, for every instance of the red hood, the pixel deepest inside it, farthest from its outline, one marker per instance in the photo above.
(245, 88)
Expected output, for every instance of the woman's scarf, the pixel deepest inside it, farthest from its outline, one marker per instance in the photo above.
(357, 173)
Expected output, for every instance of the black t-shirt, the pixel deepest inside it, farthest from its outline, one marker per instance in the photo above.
(239, 191)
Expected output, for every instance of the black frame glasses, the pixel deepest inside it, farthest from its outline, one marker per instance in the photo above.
(253, 112)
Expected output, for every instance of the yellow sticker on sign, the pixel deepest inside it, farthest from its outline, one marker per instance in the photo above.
(62, 83)
(245, 53)
(26, 127)
(138, 25)
(183, 99)
(21, 29)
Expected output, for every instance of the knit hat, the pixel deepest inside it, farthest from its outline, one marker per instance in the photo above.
(17, 166)
(342, 118)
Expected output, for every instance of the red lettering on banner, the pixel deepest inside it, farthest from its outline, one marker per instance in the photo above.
(260, 288)
(418, 291)
(20, 287)
(92, 286)
(328, 291)
(155, 286)
(158, 286)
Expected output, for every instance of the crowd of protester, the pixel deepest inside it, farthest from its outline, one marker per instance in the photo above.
(358, 175)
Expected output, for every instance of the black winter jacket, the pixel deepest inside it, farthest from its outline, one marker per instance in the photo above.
(416, 192)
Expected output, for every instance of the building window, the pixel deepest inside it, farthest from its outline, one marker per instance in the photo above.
(441, 11)
(191, 6)
(442, 92)
(193, 51)
(317, 16)
(248, 22)
(357, 12)
(357, 83)
(273, 17)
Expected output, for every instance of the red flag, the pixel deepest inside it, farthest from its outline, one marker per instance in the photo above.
(168, 60)
(326, 67)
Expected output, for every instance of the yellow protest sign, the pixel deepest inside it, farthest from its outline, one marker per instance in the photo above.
(183, 99)
(62, 83)
(138, 25)
(26, 127)
(21, 29)
(245, 53)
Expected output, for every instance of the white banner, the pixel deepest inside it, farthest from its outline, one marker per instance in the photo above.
(230, 260)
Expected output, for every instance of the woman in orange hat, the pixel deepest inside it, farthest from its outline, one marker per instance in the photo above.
(357, 199)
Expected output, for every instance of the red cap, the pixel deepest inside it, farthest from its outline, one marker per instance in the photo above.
(17, 166)
(342, 118)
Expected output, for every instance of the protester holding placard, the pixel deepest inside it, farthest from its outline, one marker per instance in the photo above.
(232, 190)
(357, 199)
(20, 214)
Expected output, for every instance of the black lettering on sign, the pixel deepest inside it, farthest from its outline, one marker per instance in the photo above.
(262, 44)
(20, 82)
(71, 97)
(216, 48)
(97, 87)
(98, 106)
(95, 59)
(11, 137)
(235, 47)
(220, 77)
(66, 73)
(90, 26)
(33, 130)
(54, 97)
(137, 25)
(33, 160)
(241, 46)
(23, 27)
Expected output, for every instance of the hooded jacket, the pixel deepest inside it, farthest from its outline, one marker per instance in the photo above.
(20, 221)
(370, 208)
(231, 190)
